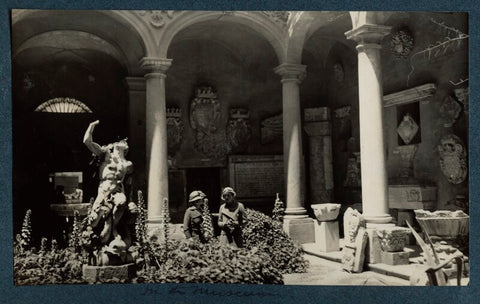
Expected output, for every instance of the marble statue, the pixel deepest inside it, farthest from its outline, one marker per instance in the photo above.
(109, 215)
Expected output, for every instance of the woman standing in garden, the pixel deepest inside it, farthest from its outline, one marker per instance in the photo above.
(193, 219)
(231, 218)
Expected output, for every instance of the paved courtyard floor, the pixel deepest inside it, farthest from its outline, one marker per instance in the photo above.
(325, 272)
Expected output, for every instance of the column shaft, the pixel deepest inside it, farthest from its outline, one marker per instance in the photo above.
(156, 136)
(372, 145)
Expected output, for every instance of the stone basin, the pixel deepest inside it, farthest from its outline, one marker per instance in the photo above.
(326, 212)
(443, 223)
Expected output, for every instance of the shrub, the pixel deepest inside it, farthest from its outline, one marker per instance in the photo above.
(263, 232)
(193, 262)
(45, 266)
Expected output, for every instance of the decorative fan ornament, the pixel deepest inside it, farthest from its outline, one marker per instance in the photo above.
(63, 105)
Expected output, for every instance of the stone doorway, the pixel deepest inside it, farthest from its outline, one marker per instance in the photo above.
(207, 180)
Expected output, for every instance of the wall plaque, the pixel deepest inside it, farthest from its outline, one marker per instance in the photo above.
(256, 176)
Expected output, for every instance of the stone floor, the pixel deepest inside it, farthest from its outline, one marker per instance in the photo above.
(329, 264)
(325, 272)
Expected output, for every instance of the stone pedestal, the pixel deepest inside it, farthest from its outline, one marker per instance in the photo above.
(327, 236)
(301, 230)
(104, 274)
(318, 127)
(395, 258)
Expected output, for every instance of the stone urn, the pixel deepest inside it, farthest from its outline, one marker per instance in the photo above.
(443, 223)
(326, 212)
(393, 239)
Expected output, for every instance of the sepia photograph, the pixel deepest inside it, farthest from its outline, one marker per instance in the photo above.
(325, 148)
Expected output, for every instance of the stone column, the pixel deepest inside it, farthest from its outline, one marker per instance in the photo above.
(372, 146)
(296, 221)
(317, 126)
(136, 131)
(156, 135)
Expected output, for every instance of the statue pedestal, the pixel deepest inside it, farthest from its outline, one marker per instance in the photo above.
(327, 236)
(299, 229)
(104, 274)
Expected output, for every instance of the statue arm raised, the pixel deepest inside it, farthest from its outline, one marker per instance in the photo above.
(88, 139)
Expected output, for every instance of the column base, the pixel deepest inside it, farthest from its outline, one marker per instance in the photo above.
(301, 229)
(378, 220)
(298, 212)
(327, 236)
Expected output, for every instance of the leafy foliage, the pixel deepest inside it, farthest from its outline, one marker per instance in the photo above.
(48, 266)
(26, 234)
(278, 210)
(207, 225)
(193, 262)
(268, 254)
(267, 234)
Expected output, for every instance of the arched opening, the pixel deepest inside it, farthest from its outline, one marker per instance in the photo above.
(64, 56)
(237, 63)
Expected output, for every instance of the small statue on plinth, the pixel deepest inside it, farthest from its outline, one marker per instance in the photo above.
(109, 218)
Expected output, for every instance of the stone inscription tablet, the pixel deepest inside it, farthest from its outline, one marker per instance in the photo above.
(256, 176)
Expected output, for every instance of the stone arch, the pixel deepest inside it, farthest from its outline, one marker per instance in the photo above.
(119, 36)
(304, 24)
(273, 33)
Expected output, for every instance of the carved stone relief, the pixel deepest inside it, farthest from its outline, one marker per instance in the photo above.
(392, 239)
(401, 44)
(407, 155)
(462, 96)
(355, 241)
(342, 123)
(175, 129)
(449, 111)
(156, 18)
(407, 129)
(210, 139)
(271, 129)
(353, 179)
(239, 130)
(453, 158)
(338, 72)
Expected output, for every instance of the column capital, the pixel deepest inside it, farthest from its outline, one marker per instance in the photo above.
(368, 34)
(155, 64)
(291, 72)
(136, 83)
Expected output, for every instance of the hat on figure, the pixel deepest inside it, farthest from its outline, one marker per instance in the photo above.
(196, 195)
(227, 190)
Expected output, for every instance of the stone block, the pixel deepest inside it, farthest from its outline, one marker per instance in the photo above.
(327, 236)
(354, 257)
(395, 258)
(301, 230)
(93, 274)
(403, 216)
(373, 252)
(412, 197)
